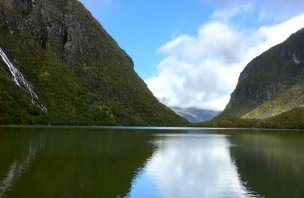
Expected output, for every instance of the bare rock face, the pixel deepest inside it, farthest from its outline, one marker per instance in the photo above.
(267, 77)
(79, 71)
(68, 29)
(24, 7)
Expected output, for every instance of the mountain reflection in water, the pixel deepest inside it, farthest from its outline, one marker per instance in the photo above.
(151, 163)
(20, 166)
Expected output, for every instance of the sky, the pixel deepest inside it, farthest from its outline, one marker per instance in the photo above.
(191, 52)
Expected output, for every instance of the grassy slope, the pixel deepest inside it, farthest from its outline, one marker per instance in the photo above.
(292, 98)
(269, 85)
(292, 119)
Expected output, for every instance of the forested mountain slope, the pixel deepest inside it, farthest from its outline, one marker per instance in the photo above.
(62, 67)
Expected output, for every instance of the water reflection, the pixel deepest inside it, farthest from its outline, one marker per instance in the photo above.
(20, 166)
(78, 162)
(271, 163)
(189, 165)
(75, 162)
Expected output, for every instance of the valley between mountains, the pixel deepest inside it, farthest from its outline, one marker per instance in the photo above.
(60, 67)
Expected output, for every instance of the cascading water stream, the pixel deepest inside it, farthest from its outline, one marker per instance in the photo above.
(21, 82)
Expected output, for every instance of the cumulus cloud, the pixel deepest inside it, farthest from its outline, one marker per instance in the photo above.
(202, 70)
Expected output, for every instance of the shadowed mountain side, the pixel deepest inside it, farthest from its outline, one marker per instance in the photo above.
(78, 71)
(270, 84)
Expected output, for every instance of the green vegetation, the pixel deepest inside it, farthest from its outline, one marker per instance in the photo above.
(78, 71)
(292, 98)
(270, 84)
(292, 119)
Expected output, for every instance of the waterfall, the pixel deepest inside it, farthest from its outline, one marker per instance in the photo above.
(21, 82)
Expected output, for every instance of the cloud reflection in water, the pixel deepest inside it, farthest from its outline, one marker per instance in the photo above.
(189, 165)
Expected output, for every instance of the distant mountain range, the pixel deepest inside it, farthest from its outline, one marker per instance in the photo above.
(195, 115)
(271, 84)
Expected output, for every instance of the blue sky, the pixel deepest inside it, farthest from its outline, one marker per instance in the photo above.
(190, 52)
(142, 26)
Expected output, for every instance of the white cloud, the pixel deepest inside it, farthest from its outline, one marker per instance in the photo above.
(202, 70)
(269, 10)
(225, 14)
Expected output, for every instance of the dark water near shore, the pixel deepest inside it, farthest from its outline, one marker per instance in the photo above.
(141, 162)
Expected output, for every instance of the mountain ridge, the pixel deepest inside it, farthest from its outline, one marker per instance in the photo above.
(195, 114)
(272, 83)
(79, 72)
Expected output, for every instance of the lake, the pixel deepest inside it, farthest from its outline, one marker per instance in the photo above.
(150, 162)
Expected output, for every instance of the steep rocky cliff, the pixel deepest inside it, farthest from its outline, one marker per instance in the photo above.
(272, 83)
(79, 73)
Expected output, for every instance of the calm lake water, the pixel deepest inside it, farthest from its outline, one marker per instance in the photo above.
(156, 163)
